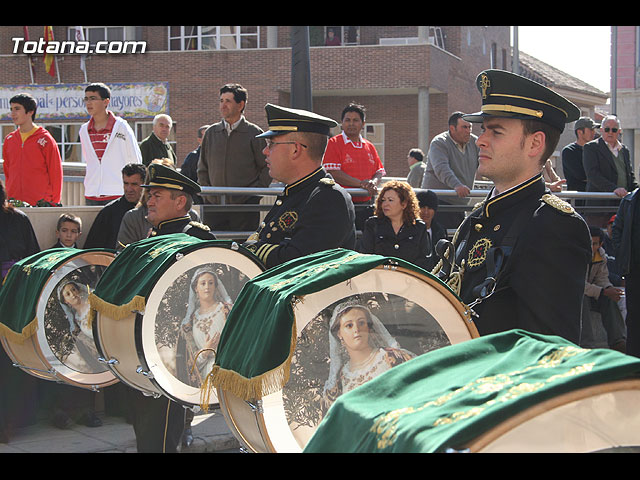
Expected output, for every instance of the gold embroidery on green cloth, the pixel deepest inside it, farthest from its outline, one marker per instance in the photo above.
(315, 271)
(157, 251)
(385, 426)
(48, 262)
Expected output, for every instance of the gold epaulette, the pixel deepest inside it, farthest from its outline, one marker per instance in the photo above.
(200, 225)
(327, 181)
(558, 203)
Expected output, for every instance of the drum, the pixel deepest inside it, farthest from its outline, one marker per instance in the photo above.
(62, 348)
(346, 334)
(163, 342)
(602, 418)
(513, 391)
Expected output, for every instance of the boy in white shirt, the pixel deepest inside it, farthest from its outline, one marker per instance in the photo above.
(108, 144)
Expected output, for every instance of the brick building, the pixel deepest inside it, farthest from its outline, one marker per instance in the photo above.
(627, 78)
(410, 78)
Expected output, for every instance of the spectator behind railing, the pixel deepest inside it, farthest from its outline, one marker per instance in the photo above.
(607, 163)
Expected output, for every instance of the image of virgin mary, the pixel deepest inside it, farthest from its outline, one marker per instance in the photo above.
(199, 332)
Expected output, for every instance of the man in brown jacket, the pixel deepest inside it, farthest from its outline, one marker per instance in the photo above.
(231, 156)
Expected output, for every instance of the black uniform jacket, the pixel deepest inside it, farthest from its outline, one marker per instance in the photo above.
(311, 215)
(183, 225)
(547, 249)
(411, 243)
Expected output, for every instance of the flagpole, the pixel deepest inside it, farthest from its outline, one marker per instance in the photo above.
(79, 34)
(29, 58)
(55, 59)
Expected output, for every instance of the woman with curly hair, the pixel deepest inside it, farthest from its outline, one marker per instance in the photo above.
(396, 229)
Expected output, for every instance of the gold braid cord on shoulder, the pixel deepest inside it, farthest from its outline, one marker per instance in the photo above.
(455, 279)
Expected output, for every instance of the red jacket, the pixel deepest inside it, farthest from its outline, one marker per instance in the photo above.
(32, 171)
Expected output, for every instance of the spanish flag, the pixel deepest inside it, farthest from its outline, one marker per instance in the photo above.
(49, 58)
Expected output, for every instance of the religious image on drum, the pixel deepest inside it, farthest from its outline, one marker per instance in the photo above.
(191, 316)
(66, 320)
(353, 340)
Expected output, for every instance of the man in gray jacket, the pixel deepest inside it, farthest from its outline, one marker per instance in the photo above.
(231, 156)
(452, 162)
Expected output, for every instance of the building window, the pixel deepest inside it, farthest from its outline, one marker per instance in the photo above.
(67, 136)
(374, 132)
(494, 56)
(101, 34)
(213, 37)
(333, 35)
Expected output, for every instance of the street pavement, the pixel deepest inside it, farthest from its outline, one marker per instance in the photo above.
(210, 432)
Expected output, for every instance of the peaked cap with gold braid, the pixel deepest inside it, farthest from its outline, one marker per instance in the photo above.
(505, 94)
(162, 176)
(284, 120)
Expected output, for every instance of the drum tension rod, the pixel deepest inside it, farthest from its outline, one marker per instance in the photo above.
(256, 407)
(24, 367)
(111, 361)
(142, 371)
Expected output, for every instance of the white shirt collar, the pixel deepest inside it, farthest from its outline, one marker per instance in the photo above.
(348, 140)
(230, 127)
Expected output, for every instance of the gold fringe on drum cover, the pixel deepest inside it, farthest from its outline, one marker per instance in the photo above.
(248, 388)
(115, 312)
(30, 329)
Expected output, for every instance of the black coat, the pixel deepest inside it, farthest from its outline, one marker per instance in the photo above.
(17, 238)
(411, 243)
(602, 175)
(105, 228)
(541, 287)
(311, 215)
(624, 232)
(572, 167)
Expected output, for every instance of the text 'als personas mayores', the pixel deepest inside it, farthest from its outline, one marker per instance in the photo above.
(82, 47)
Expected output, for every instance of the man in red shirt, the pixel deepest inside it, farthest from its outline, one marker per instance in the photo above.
(353, 161)
(32, 163)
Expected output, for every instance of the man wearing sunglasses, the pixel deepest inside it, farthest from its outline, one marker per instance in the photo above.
(607, 164)
(313, 213)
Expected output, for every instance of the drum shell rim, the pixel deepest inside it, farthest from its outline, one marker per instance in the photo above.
(263, 432)
(143, 363)
(532, 412)
(54, 373)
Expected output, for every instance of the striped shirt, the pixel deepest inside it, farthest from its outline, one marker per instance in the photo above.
(99, 140)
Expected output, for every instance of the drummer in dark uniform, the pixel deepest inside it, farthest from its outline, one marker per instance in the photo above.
(170, 199)
(313, 213)
(159, 422)
(522, 252)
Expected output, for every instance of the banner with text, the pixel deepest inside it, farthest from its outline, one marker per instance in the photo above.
(65, 101)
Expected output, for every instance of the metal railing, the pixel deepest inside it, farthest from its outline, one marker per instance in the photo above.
(73, 195)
